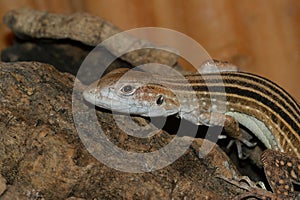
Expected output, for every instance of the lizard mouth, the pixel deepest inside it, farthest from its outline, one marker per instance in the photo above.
(108, 103)
(103, 102)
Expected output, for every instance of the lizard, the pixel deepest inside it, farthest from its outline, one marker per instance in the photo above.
(228, 98)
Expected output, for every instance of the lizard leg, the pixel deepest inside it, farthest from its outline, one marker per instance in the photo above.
(253, 191)
(281, 171)
(257, 194)
(244, 182)
(232, 129)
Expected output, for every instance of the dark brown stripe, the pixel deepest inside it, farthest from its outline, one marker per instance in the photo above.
(275, 92)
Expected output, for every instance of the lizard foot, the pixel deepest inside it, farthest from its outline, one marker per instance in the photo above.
(243, 138)
(244, 182)
(255, 190)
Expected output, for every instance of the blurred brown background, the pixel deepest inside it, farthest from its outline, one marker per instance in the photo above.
(261, 36)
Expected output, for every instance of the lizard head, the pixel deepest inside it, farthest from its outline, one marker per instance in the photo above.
(133, 92)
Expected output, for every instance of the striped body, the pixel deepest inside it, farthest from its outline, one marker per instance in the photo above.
(257, 103)
(253, 98)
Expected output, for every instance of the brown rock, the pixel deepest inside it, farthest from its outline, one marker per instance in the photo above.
(43, 157)
(89, 30)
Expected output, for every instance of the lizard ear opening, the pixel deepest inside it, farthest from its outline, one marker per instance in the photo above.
(160, 100)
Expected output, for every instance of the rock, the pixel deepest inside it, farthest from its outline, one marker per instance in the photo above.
(66, 56)
(87, 29)
(43, 157)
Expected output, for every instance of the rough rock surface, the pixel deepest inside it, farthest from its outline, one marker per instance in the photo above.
(42, 156)
(66, 56)
(89, 30)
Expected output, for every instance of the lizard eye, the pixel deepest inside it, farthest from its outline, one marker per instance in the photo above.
(160, 100)
(127, 90)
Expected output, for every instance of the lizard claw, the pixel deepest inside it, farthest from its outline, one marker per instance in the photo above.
(239, 148)
(244, 138)
(244, 182)
(254, 189)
